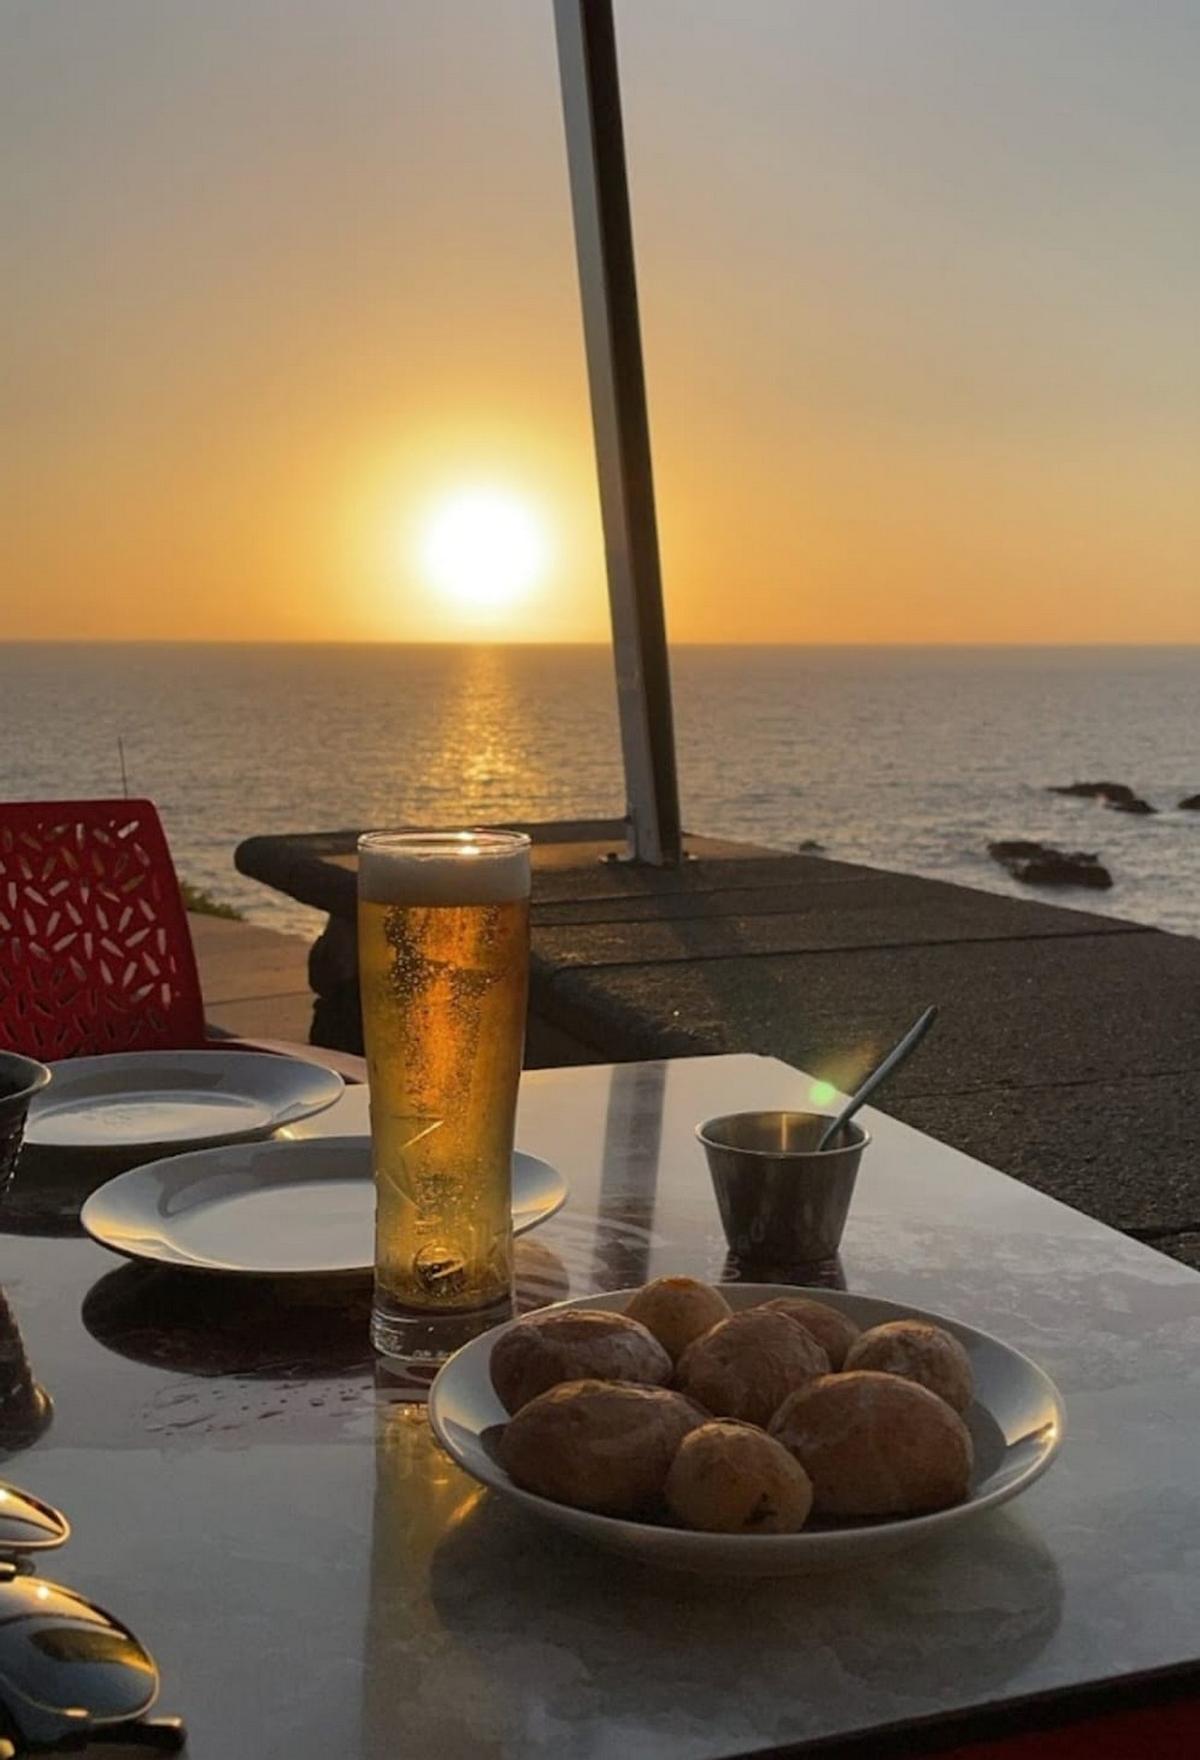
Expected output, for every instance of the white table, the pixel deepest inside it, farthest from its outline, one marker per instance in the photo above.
(317, 1580)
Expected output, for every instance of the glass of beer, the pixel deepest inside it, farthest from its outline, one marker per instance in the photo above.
(443, 951)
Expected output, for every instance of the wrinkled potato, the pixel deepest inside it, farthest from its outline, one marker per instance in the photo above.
(541, 1350)
(919, 1352)
(876, 1445)
(746, 1366)
(834, 1331)
(677, 1310)
(735, 1479)
(598, 1445)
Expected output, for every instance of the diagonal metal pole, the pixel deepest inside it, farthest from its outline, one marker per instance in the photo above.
(587, 58)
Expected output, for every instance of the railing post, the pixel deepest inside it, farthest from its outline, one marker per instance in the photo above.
(587, 56)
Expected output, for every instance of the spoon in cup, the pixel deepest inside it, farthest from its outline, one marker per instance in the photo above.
(902, 1050)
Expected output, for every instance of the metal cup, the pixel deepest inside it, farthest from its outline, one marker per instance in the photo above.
(780, 1199)
(20, 1079)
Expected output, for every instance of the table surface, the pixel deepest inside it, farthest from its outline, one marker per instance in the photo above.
(316, 1579)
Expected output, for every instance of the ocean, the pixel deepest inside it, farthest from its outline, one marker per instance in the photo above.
(911, 758)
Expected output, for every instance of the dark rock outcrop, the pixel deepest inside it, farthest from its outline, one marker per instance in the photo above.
(1040, 864)
(1117, 795)
(1110, 792)
(1015, 849)
(1190, 803)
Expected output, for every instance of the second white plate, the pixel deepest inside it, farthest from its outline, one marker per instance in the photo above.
(281, 1209)
(138, 1104)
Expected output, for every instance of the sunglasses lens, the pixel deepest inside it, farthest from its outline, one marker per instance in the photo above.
(64, 1662)
(27, 1525)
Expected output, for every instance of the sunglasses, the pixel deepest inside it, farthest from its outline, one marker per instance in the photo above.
(70, 1674)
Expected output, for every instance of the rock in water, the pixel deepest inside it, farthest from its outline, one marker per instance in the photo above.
(1096, 791)
(1016, 849)
(1040, 864)
(1190, 803)
(1117, 795)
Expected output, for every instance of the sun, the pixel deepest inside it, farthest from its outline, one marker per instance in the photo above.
(484, 549)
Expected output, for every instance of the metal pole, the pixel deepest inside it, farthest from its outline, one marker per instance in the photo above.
(587, 59)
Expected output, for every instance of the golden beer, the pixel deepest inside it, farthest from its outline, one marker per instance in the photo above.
(443, 947)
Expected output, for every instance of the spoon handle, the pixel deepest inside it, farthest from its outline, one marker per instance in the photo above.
(895, 1056)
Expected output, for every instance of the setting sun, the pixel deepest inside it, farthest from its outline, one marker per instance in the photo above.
(484, 549)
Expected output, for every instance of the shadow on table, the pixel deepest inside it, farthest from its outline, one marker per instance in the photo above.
(806, 1274)
(43, 1199)
(212, 1325)
(955, 1620)
(25, 1407)
(306, 1328)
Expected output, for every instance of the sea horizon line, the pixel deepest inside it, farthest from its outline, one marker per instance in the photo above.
(419, 642)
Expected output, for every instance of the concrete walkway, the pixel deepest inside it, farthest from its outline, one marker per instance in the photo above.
(254, 981)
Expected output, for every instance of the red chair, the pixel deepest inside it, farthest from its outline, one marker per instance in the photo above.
(95, 950)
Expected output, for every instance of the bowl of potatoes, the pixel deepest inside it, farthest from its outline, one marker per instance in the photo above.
(747, 1429)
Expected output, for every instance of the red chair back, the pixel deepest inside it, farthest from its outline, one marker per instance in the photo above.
(95, 950)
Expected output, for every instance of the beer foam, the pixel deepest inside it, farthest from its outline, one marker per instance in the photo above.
(447, 875)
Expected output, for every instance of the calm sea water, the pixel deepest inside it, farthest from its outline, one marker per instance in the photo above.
(909, 759)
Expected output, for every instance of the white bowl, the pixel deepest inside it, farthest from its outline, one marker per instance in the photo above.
(1016, 1423)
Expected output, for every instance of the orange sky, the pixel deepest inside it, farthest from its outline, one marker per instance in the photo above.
(919, 289)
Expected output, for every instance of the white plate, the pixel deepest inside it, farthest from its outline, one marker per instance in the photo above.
(282, 1209)
(1016, 1424)
(148, 1103)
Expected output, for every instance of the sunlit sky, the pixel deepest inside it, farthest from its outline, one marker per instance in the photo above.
(288, 284)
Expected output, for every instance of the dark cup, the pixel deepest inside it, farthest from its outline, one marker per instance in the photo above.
(781, 1200)
(20, 1079)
